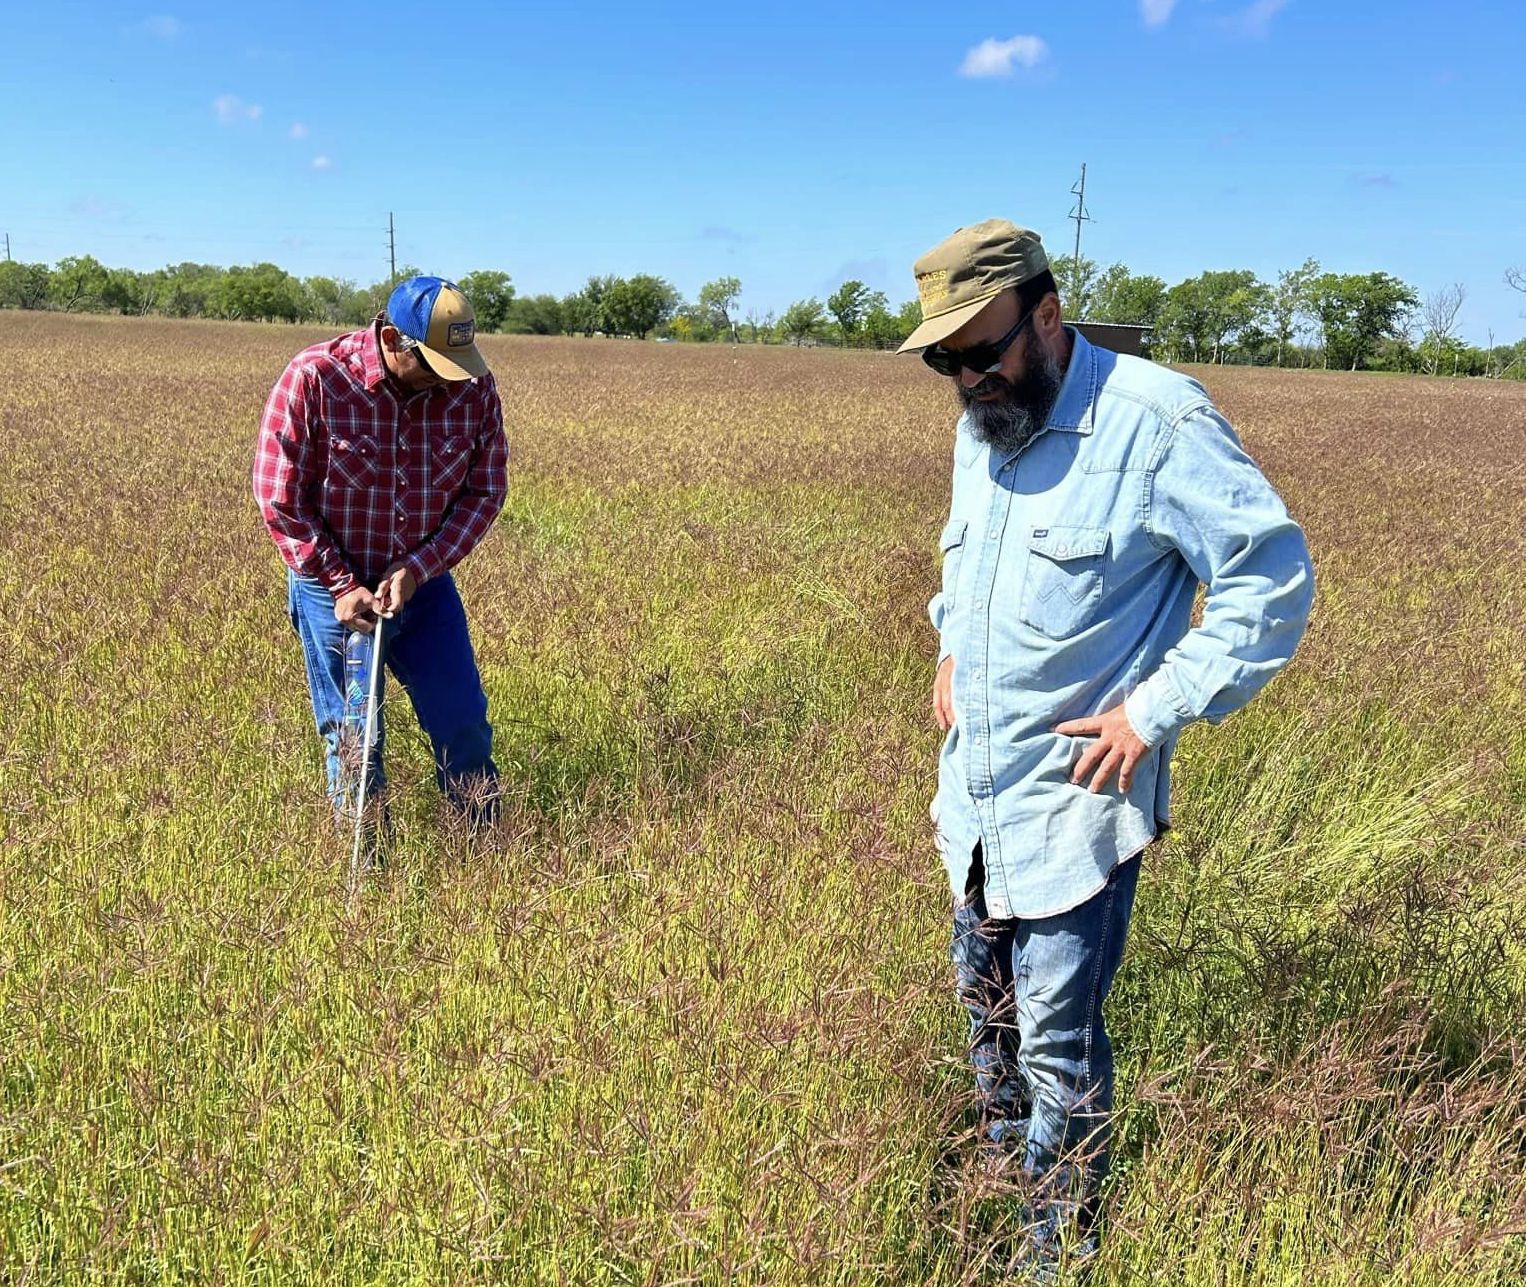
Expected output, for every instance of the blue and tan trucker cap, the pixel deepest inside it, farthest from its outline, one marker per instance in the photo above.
(439, 318)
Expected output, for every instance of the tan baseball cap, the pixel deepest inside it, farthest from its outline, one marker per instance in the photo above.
(959, 277)
(438, 317)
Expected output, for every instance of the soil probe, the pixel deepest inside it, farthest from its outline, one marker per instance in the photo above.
(365, 747)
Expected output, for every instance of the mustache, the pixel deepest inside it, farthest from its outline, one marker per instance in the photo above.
(995, 382)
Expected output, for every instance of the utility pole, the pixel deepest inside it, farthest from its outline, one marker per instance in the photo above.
(7, 247)
(1080, 215)
(392, 249)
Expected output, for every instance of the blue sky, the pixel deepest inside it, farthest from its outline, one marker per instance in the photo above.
(790, 145)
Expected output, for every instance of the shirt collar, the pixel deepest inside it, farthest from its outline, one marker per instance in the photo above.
(373, 368)
(1074, 408)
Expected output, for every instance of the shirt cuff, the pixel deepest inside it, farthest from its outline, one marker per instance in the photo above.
(1156, 711)
(342, 584)
(421, 567)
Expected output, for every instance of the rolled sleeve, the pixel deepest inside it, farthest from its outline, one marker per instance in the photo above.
(936, 612)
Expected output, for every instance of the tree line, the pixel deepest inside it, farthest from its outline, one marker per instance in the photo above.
(1307, 317)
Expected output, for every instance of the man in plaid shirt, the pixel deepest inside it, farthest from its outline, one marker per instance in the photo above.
(381, 464)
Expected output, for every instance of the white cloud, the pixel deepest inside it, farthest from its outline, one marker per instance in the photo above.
(1156, 12)
(232, 110)
(995, 57)
(163, 26)
(1256, 20)
(298, 130)
(323, 161)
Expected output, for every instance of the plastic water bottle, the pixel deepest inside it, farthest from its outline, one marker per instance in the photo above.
(357, 684)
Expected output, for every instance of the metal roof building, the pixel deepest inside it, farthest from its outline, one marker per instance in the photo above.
(1121, 337)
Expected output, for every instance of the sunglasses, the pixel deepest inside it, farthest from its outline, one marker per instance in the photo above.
(982, 359)
(411, 345)
(418, 354)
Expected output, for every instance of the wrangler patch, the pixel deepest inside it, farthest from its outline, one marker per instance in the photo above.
(461, 334)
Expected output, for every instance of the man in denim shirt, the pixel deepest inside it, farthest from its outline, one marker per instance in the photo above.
(1092, 494)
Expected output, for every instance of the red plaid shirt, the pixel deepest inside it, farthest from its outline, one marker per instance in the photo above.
(352, 474)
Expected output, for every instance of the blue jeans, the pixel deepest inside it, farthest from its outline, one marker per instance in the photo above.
(1043, 1064)
(427, 647)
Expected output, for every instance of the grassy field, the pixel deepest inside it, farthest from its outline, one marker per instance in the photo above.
(689, 1018)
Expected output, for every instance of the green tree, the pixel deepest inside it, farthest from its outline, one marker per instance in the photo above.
(334, 300)
(803, 320)
(691, 322)
(1076, 278)
(1119, 296)
(579, 315)
(1204, 315)
(583, 311)
(490, 293)
(187, 287)
(535, 315)
(128, 292)
(635, 305)
(878, 327)
(1356, 310)
(77, 282)
(849, 303)
(263, 292)
(1289, 302)
(716, 301)
(24, 285)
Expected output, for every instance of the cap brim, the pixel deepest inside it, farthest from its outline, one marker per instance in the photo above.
(458, 364)
(936, 329)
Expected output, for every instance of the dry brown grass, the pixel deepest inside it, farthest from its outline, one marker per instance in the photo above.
(687, 1018)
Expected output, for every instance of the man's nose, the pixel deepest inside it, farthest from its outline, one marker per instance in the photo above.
(969, 379)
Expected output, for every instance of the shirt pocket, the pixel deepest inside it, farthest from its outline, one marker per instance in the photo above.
(449, 462)
(1062, 584)
(951, 546)
(352, 463)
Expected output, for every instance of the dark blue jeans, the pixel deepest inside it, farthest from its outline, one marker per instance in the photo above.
(1034, 990)
(427, 647)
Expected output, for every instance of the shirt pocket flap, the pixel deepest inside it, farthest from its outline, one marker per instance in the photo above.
(352, 461)
(1062, 543)
(953, 535)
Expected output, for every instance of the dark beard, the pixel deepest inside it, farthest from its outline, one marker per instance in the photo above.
(1007, 422)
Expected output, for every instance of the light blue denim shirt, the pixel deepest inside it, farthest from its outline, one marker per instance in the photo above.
(1069, 571)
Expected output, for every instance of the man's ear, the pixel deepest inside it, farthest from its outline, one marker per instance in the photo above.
(389, 334)
(1047, 318)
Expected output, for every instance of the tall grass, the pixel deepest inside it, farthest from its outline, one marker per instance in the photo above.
(688, 1015)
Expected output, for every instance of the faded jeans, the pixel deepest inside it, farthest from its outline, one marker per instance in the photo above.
(1043, 1064)
(427, 648)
